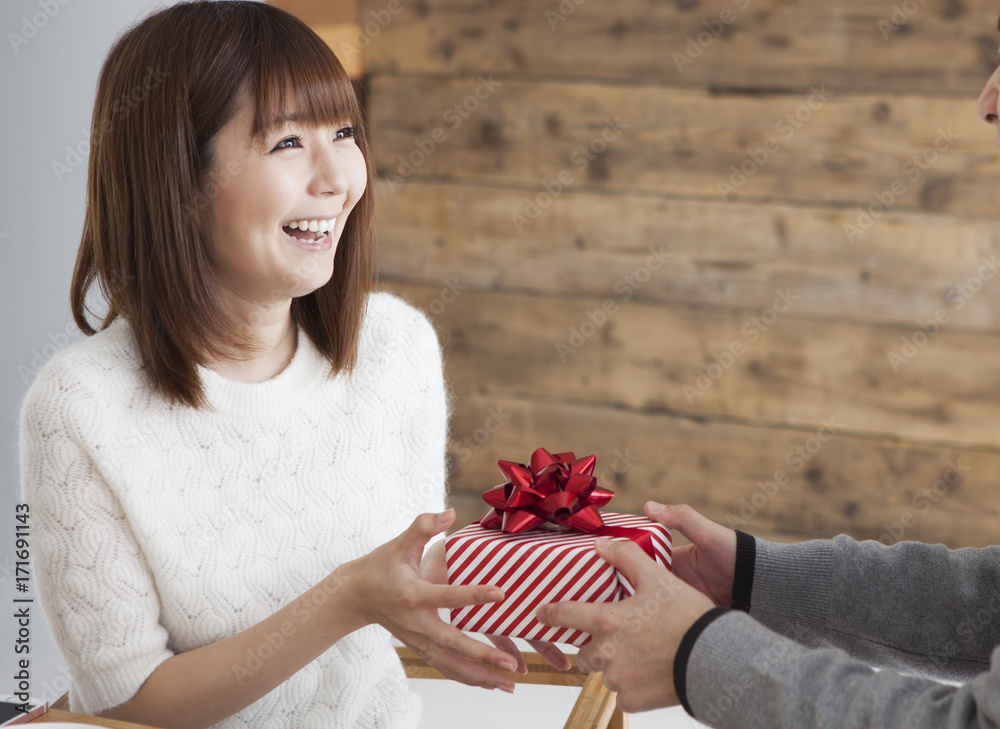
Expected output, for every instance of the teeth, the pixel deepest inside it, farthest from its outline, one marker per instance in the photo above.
(316, 226)
(319, 228)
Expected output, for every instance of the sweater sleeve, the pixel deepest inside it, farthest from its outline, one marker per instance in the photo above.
(914, 607)
(741, 674)
(92, 580)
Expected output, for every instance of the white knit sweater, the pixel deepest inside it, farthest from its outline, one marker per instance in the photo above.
(158, 528)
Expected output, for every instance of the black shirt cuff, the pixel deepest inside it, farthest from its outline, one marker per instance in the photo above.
(746, 557)
(684, 652)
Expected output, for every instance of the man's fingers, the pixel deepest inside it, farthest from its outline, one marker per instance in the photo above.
(633, 698)
(578, 615)
(696, 528)
(589, 660)
(629, 559)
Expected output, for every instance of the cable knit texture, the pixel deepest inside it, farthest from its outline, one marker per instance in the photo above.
(159, 528)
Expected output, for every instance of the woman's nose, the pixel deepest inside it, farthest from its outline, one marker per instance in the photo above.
(986, 106)
(329, 174)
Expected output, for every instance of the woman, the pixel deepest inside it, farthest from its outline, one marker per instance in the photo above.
(216, 477)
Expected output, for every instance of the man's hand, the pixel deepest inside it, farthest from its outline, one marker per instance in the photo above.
(634, 641)
(709, 562)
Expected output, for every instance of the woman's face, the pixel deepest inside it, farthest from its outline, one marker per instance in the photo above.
(987, 106)
(276, 211)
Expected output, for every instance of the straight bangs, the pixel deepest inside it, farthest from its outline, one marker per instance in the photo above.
(295, 62)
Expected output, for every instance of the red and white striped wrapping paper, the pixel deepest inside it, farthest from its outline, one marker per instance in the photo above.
(537, 567)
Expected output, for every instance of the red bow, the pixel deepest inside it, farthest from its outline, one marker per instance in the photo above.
(560, 489)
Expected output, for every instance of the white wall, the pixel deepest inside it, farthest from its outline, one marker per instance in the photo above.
(50, 56)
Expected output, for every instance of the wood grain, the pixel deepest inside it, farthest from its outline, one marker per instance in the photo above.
(595, 706)
(539, 671)
(846, 150)
(321, 12)
(767, 367)
(527, 170)
(720, 254)
(783, 483)
(57, 715)
(941, 47)
(346, 41)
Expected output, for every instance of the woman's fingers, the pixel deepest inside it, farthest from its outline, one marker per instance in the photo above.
(421, 530)
(448, 640)
(552, 654)
(455, 596)
(508, 646)
(434, 564)
(460, 669)
(473, 674)
(548, 651)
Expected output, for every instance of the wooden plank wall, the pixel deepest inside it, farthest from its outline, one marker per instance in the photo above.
(336, 22)
(745, 251)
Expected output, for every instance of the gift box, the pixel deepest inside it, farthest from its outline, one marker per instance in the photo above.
(537, 545)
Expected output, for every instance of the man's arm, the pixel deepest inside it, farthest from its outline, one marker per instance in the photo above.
(914, 607)
(741, 674)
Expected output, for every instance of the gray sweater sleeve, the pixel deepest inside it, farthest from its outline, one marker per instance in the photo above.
(741, 675)
(914, 607)
(911, 606)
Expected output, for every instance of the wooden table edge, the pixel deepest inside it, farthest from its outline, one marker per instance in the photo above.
(54, 715)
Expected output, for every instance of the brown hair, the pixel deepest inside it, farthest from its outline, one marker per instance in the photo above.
(167, 87)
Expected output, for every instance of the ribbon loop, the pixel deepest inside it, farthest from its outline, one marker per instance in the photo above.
(560, 489)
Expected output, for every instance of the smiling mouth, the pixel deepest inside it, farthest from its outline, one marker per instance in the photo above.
(305, 236)
(309, 231)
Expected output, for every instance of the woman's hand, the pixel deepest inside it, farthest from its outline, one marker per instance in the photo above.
(709, 563)
(434, 568)
(385, 587)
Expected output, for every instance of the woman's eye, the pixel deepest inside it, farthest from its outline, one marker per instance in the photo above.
(294, 141)
(289, 143)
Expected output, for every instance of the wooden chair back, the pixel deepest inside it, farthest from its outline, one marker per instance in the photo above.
(595, 708)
